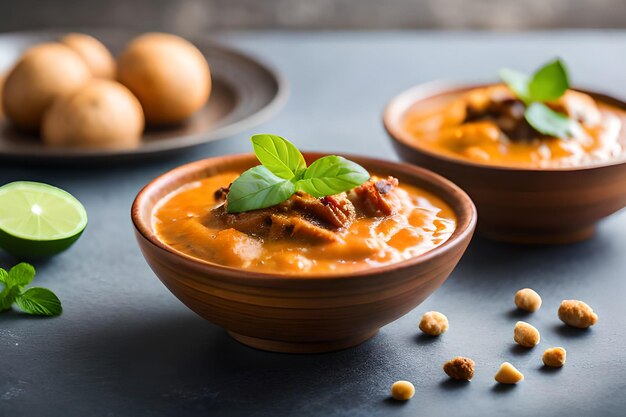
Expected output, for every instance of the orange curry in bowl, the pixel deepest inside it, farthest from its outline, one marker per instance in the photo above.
(487, 125)
(377, 223)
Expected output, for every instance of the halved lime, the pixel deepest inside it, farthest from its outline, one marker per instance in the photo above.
(38, 219)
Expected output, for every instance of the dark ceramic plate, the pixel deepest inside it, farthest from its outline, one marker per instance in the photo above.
(245, 93)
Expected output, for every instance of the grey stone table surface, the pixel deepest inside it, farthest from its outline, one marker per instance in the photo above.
(125, 346)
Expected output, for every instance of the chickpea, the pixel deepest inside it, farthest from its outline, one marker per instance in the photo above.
(402, 390)
(434, 323)
(476, 134)
(477, 153)
(527, 299)
(459, 368)
(507, 374)
(554, 357)
(575, 313)
(526, 335)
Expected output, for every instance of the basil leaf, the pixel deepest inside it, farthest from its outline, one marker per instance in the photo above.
(258, 188)
(21, 274)
(545, 120)
(549, 83)
(39, 301)
(517, 82)
(332, 175)
(8, 296)
(4, 276)
(278, 155)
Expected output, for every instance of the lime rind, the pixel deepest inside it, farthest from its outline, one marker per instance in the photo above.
(34, 249)
(62, 216)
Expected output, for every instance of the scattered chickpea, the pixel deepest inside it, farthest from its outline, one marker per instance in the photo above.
(554, 357)
(507, 374)
(434, 323)
(402, 390)
(575, 313)
(459, 368)
(526, 335)
(527, 299)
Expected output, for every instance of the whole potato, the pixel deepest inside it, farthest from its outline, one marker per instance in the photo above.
(42, 74)
(97, 57)
(169, 76)
(102, 114)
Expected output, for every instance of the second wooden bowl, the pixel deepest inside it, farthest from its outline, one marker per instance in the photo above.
(301, 314)
(520, 205)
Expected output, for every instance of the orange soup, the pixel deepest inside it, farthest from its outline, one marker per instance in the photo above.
(487, 125)
(377, 223)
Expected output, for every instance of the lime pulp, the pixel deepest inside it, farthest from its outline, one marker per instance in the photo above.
(38, 219)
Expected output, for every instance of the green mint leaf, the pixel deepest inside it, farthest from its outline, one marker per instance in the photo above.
(517, 82)
(549, 83)
(21, 274)
(258, 188)
(4, 276)
(545, 120)
(278, 155)
(332, 175)
(39, 301)
(8, 296)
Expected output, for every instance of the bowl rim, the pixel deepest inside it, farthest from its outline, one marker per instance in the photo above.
(398, 105)
(466, 220)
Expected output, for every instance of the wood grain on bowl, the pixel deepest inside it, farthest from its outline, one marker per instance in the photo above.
(519, 204)
(312, 313)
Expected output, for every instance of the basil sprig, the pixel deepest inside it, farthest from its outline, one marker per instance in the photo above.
(258, 188)
(284, 171)
(548, 83)
(278, 155)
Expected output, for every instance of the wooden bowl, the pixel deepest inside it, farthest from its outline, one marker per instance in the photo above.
(520, 205)
(316, 313)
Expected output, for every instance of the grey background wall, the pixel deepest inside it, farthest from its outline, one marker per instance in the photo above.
(196, 16)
